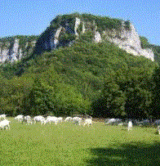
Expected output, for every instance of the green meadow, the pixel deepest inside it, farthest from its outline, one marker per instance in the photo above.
(71, 145)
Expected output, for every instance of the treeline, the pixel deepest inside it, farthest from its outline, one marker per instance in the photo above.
(87, 78)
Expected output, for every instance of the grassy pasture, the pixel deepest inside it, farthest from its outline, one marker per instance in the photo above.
(70, 145)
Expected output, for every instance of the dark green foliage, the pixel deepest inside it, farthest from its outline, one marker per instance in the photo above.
(127, 25)
(86, 37)
(65, 38)
(103, 23)
(156, 94)
(98, 79)
(112, 101)
(156, 50)
(144, 42)
(40, 100)
(85, 78)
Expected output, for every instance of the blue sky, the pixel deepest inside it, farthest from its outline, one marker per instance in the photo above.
(31, 17)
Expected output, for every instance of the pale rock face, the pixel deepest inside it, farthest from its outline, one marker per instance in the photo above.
(20, 53)
(33, 43)
(12, 51)
(56, 37)
(148, 53)
(126, 39)
(9, 54)
(83, 28)
(97, 37)
(3, 54)
(129, 41)
(77, 23)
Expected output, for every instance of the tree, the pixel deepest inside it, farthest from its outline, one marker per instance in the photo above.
(40, 97)
(112, 101)
(156, 94)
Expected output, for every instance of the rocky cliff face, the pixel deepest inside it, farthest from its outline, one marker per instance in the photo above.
(125, 36)
(13, 48)
(129, 41)
(65, 30)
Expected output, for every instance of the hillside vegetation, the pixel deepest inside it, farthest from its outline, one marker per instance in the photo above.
(86, 78)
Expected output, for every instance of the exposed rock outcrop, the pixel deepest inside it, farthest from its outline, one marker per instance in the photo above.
(126, 38)
(13, 49)
(64, 30)
(129, 41)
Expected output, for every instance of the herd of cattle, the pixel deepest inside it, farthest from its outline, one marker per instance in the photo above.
(5, 124)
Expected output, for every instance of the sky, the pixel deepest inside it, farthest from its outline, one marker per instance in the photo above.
(32, 17)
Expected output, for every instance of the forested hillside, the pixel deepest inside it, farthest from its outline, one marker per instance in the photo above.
(80, 75)
(85, 78)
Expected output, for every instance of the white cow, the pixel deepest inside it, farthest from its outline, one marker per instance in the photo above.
(145, 122)
(19, 118)
(5, 124)
(77, 120)
(38, 119)
(68, 119)
(60, 119)
(113, 121)
(156, 122)
(43, 121)
(158, 129)
(27, 119)
(2, 116)
(88, 122)
(130, 125)
(52, 119)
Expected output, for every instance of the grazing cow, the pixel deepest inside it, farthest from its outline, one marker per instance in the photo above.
(43, 121)
(27, 119)
(77, 120)
(158, 129)
(38, 119)
(2, 116)
(52, 119)
(19, 118)
(130, 125)
(60, 119)
(145, 122)
(113, 121)
(156, 122)
(4, 124)
(68, 119)
(88, 122)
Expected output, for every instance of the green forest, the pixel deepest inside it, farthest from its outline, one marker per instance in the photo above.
(100, 80)
(87, 78)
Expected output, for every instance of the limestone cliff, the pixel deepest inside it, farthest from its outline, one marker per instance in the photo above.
(65, 29)
(14, 48)
(129, 40)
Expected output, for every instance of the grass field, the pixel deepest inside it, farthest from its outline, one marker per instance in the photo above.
(70, 145)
